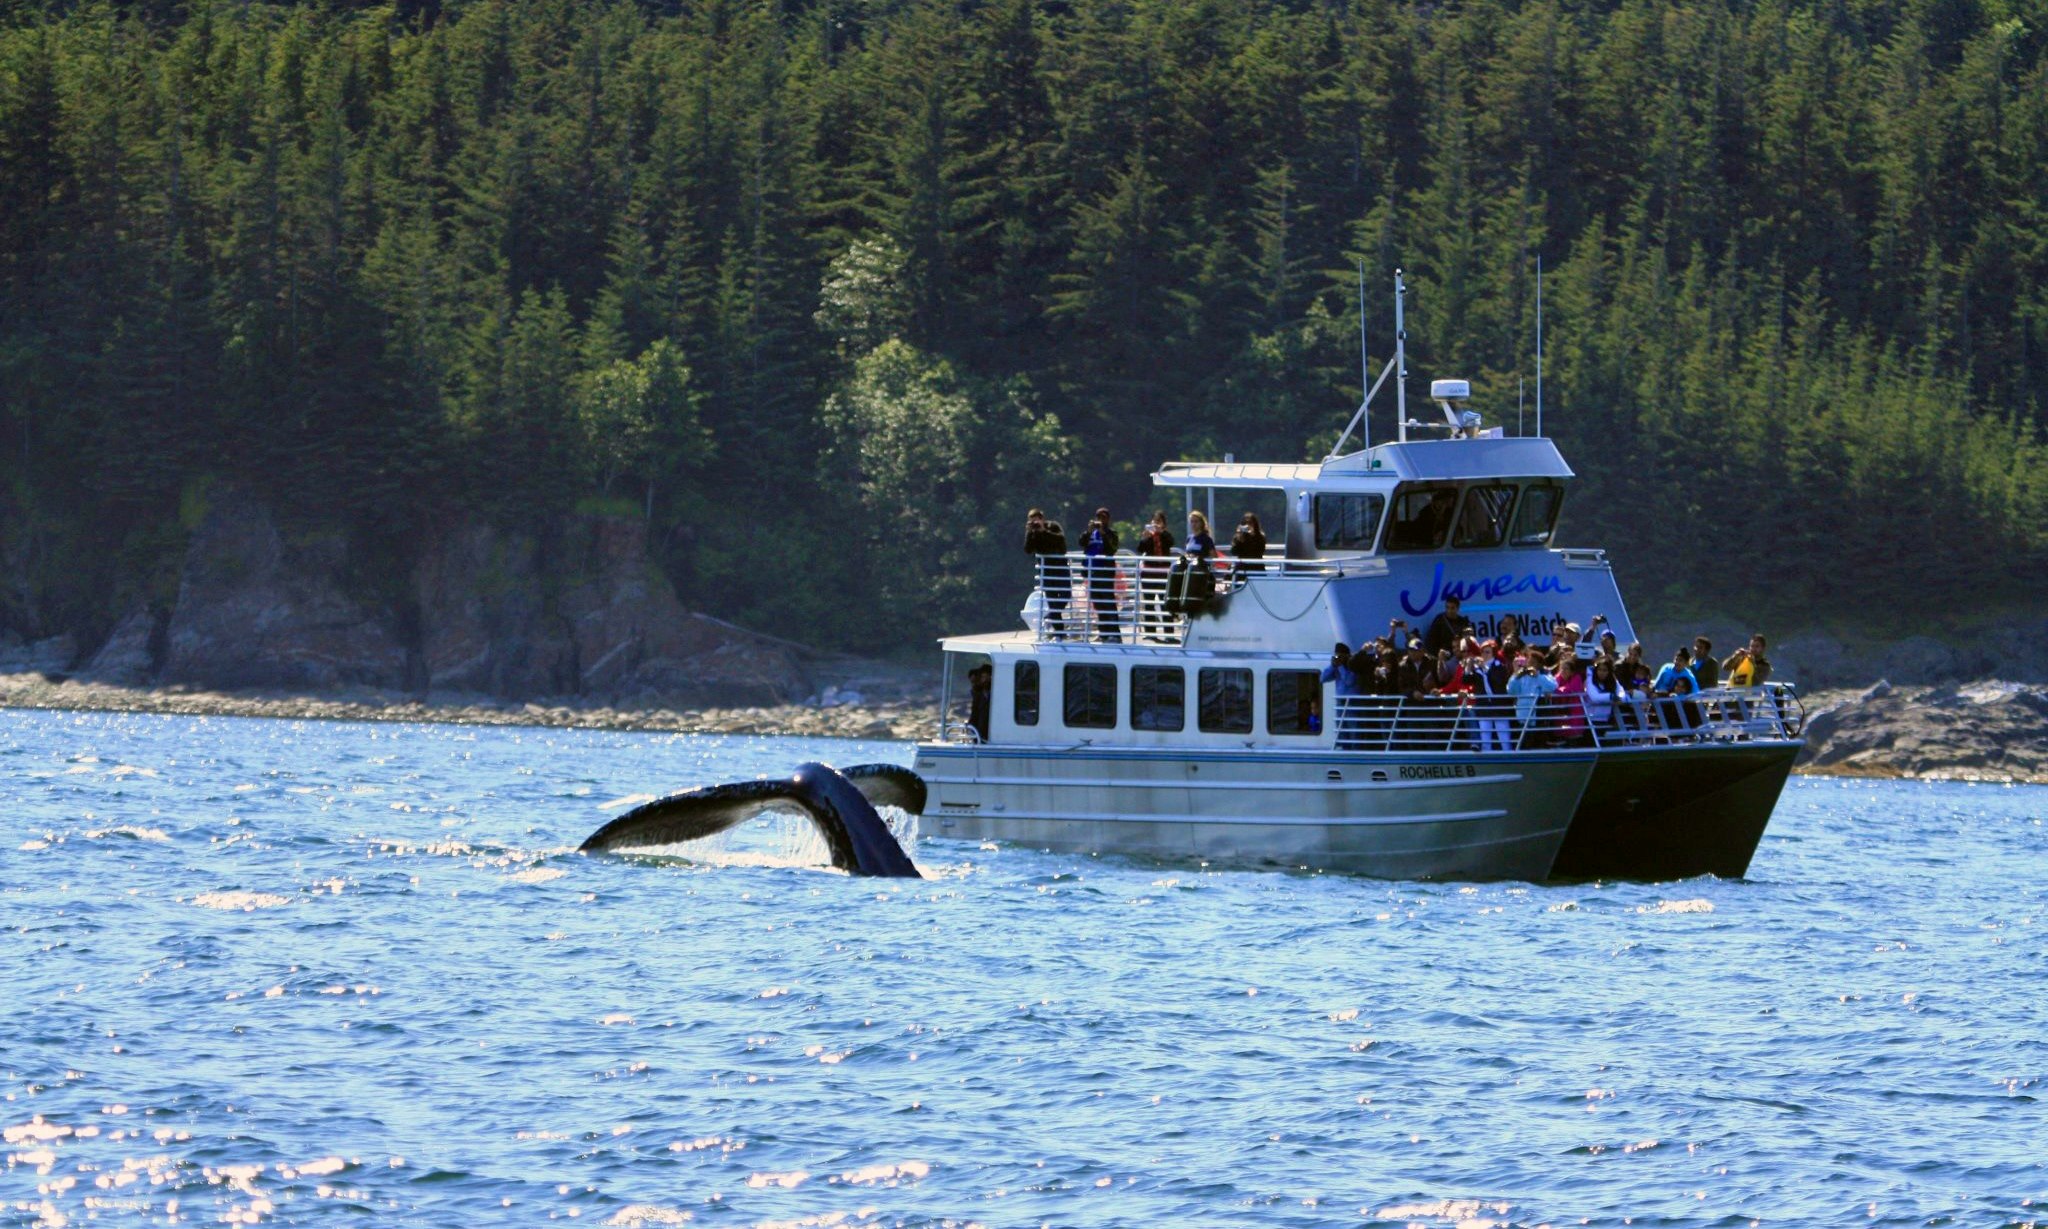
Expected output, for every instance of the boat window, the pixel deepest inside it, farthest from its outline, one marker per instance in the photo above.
(1538, 514)
(1159, 697)
(1294, 702)
(1090, 698)
(1226, 701)
(1421, 515)
(1484, 520)
(1024, 693)
(1348, 522)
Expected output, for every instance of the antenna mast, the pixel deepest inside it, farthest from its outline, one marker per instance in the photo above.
(1400, 358)
(1364, 365)
(1539, 342)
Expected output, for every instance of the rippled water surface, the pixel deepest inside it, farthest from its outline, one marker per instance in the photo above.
(263, 972)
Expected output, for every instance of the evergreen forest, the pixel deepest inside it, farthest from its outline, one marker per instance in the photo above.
(831, 291)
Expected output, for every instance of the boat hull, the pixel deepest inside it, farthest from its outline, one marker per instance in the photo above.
(1675, 812)
(1649, 813)
(1453, 816)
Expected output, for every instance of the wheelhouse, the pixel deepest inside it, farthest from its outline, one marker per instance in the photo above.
(1442, 495)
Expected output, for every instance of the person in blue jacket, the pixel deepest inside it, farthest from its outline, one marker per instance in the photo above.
(1676, 679)
(1340, 672)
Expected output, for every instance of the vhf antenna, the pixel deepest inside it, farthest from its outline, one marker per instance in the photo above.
(1539, 342)
(1364, 365)
(1400, 357)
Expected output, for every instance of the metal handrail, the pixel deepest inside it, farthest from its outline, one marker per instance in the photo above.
(1771, 712)
(1121, 598)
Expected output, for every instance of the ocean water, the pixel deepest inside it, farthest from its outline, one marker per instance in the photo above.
(317, 973)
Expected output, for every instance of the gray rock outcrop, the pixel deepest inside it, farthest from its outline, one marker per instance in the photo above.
(594, 619)
(133, 653)
(256, 608)
(49, 655)
(1984, 731)
(577, 612)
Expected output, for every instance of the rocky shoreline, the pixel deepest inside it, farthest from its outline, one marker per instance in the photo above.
(901, 719)
(1987, 731)
(1984, 731)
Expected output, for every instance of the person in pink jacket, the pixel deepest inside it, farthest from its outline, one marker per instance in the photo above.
(1571, 697)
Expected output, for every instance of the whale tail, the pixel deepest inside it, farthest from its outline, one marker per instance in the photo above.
(841, 805)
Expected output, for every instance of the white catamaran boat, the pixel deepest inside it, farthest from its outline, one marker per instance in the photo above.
(1131, 719)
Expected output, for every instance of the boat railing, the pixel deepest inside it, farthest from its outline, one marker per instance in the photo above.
(1129, 599)
(1518, 723)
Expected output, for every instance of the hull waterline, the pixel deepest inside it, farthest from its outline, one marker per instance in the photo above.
(1421, 817)
(1641, 814)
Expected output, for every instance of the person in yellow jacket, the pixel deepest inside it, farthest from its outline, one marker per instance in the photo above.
(1747, 667)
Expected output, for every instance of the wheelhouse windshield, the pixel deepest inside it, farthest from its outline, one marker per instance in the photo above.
(1421, 516)
(1537, 516)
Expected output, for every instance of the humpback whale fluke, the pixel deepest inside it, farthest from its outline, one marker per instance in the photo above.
(841, 805)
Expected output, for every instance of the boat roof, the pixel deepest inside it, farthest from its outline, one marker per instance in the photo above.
(1235, 474)
(1415, 461)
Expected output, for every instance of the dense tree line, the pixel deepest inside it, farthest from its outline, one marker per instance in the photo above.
(830, 291)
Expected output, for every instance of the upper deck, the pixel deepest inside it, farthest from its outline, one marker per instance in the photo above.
(1373, 542)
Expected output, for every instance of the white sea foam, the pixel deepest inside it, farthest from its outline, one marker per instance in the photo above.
(1678, 906)
(885, 1175)
(129, 830)
(245, 902)
(642, 1215)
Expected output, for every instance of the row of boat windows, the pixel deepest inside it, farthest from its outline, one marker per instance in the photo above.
(1157, 698)
(1491, 514)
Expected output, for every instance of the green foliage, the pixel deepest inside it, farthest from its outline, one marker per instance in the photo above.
(837, 291)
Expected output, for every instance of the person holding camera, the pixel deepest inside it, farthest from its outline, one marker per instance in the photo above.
(1340, 671)
(1045, 540)
(1747, 667)
(1155, 568)
(1099, 545)
(1248, 544)
(1529, 685)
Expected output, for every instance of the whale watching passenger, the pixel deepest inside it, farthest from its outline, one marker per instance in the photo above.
(980, 685)
(1529, 685)
(1566, 640)
(1340, 670)
(1448, 628)
(1511, 642)
(1483, 678)
(1048, 542)
(1674, 681)
(1676, 678)
(1155, 552)
(1200, 541)
(1417, 671)
(1099, 545)
(1606, 699)
(1748, 667)
(1571, 690)
(1632, 670)
(1704, 667)
(1588, 644)
(1248, 544)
